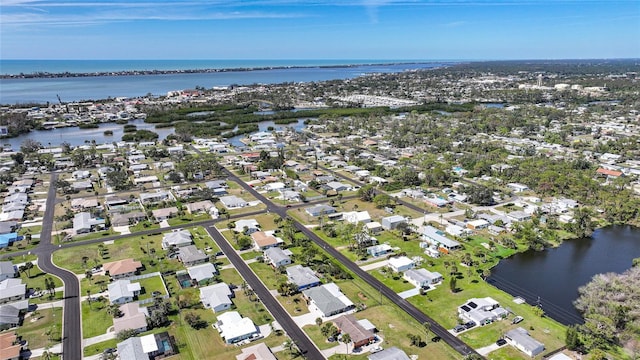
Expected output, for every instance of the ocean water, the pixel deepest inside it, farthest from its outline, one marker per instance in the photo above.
(42, 90)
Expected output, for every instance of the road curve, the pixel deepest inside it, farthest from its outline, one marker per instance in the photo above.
(71, 325)
(305, 345)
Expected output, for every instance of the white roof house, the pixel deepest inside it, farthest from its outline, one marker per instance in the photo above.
(177, 238)
(522, 341)
(392, 353)
(251, 225)
(435, 236)
(482, 311)
(84, 223)
(216, 297)
(12, 290)
(234, 328)
(202, 272)
(355, 217)
(232, 202)
(392, 222)
(123, 291)
(277, 257)
(328, 299)
(401, 263)
(422, 277)
(302, 276)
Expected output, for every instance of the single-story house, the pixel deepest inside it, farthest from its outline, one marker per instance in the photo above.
(478, 224)
(436, 237)
(347, 324)
(422, 277)
(482, 311)
(355, 217)
(84, 223)
(200, 206)
(10, 315)
(216, 297)
(128, 218)
(7, 270)
(84, 203)
(164, 214)
(10, 347)
(234, 328)
(177, 238)
(122, 268)
(17, 198)
(519, 216)
(12, 290)
(521, 340)
(276, 257)
(392, 353)
(8, 239)
(233, 202)
(401, 263)
(392, 222)
(123, 291)
(190, 255)
(133, 317)
(203, 272)
(338, 186)
(320, 209)
(379, 250)
(436, 201)
(517, 187)
(256, 352)
(8, 227)
(153, 346)
(373, 227)
(302, 276)
(328, 299)
(263, 240)
(155, 197)
(248, 226)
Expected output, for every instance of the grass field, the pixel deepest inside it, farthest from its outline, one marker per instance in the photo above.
(95, 320)
(150, 285)
(38, 333)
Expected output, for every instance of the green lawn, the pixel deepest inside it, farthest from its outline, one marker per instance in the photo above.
(100, 347)
(37, 333)
(151, 284)
(36, 279)
(295, 305)
(316, 336)
(95, 320)
(270, 278)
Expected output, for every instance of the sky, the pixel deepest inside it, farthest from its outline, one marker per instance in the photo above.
(320, 29)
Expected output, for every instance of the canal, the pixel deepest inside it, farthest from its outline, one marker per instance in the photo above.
(552, 277)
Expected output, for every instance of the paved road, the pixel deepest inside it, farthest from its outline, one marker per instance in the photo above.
(409, 308)
(306, 346)
(71, 325)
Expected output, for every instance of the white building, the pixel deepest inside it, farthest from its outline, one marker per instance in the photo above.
(234, 328)
(401, 263)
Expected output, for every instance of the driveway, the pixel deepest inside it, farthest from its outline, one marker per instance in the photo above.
(487, 349)
(375, 265)
(409, 293)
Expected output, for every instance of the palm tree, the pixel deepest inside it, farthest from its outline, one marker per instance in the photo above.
(346, 339)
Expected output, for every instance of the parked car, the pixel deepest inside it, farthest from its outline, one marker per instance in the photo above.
(501, 342)
(436, 338)
(469, 324)
(459, 328)
(517, 319)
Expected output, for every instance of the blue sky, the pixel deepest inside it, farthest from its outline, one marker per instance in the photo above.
(319, 29)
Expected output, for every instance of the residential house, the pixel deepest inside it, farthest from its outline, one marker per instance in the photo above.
(401, 263)
(355, 217)
(123, 291)
(216, 297)
(14, 215)
(156, 197)
(276, 257)
(302, 276)
(133, 317)
(478, 224)
(392, 222)
(122, 269)
(10, 347)
(373, 227)
(12, 290)
(321, 209)
(84, 223)
(263, 240)
(176, 238)
(84, 203)
(200, 207)
(190, 255)
(148, 347)
(436, 237)
(379, 250)
(256, 352)
(17, 198)
(8, 227)
(7, 270)
(422, 277)
(127, 218)
(10, 315)
(347, 324)
(392, 353)
(165, 213)
(328, 300)
(517, 187)
(337, 186)
(436, 201)
(248, 226)
(82, 185)
(482, 311)
(8, 239)
(234, 328)
(521, 340)
(233, 202)
(202, 273)
(519, 216)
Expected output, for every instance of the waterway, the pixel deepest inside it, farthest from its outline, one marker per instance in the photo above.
(552, 277)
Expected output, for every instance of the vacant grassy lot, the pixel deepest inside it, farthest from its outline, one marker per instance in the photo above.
(95, 320)
(150, 285)
(45, 331)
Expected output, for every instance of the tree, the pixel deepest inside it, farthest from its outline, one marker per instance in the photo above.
(88, 274)
(572, 339)
(195, 321)
(383, 200)
(367, 193)
(319, 321)
(114, 310)
(346, 339)
(453, 284)
(26, 268)
(50, 286)
(328, 330)
(125, 334)
(30, 146)
(119, 180)
(582, 224)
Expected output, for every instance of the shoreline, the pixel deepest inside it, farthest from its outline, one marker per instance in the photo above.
(44, 75)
